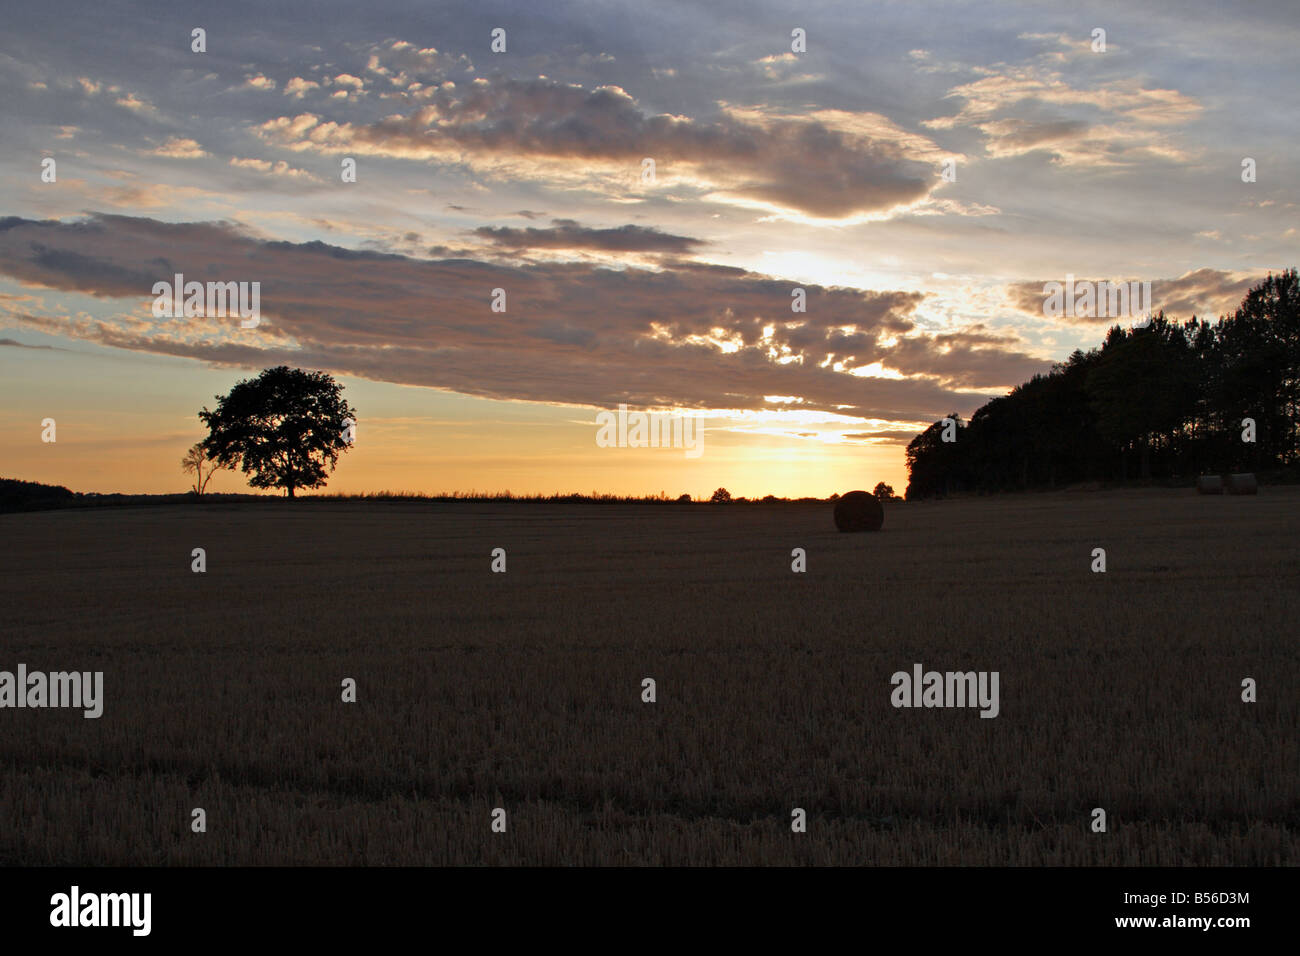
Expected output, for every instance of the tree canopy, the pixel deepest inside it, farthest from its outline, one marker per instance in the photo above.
(284, 428)
(1163, 400)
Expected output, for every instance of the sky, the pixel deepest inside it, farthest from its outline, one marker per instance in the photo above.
(918, 170)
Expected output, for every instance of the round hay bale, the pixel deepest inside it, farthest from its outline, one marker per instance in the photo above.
(1244, 484)
(859, 511)
(1209, 485)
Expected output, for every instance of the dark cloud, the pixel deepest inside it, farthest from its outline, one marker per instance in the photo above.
(890, 436)
(567, 234)
(23, 345)
(1206, 293)
(1022, 134)
(964, 360)
(692, 334)
(450, 252)
(797, 163)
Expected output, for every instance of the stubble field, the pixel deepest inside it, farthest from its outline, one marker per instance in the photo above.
(522, 690)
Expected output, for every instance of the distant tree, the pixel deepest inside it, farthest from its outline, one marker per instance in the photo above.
(283, 428)
(16, 495)
(1164, 400)
(1259, 348)
(1142, 388)
(937, 468)
(683, 497)
(884, 492)
(197, 463)
(721, 497)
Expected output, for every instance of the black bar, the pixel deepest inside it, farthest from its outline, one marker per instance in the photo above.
(331, 905)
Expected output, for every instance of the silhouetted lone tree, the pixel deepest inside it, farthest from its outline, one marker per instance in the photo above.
(197, 463)
(721, 497)
(282, 427)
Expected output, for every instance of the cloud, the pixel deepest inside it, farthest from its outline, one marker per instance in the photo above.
(1026, 108)
(965, 359)
(567, 234)
(886, 436)
(277, 168)
(1201, 292)
(135, 104)
(401, 62)
(135, 195)
(781, 68)
(259, 82)
(128, 100)
(12, 343)
(692, 334)
(298, 87)
(537, 130)
(178, 148)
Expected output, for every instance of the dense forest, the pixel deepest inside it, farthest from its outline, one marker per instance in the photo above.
(1163, 401)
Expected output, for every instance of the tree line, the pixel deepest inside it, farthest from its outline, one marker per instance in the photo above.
(1166, 400)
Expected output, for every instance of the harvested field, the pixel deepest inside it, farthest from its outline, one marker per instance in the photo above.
(522, 690)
